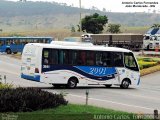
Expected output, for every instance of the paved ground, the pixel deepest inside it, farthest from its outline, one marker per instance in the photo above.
(143, 99)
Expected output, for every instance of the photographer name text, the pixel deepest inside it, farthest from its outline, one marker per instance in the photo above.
(139, 4)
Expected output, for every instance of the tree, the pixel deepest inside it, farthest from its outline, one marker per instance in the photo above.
(155, 26)
(94, 23)
(73, 29)
(114, 28)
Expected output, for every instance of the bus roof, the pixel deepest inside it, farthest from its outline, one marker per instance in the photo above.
(70, 43)
(80, 47)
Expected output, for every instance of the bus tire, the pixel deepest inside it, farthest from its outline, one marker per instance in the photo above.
(8, 51)
(125, 84)
(108, 86)
(72, 82)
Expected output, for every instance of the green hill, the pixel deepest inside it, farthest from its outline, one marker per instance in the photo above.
(15, 16)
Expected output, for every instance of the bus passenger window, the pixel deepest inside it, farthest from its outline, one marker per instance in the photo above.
(46, 41)
(65, 57)
(82, 58)
(98, 58)
(118, 59)
(73, 57)
(1, 43)
(61, 57)
(90, 58)
(54, 57)
(46, 57)
(106, 59)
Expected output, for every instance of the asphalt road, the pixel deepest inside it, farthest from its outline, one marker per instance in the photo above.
(143, 99)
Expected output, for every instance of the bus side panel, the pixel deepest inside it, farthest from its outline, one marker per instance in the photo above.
(62, 77)
(124, 73)
(85, 74)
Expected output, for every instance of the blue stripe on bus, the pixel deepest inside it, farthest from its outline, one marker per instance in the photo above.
(28, 77)
(109, 73)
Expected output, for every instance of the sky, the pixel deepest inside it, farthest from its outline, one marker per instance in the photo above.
(114, 5)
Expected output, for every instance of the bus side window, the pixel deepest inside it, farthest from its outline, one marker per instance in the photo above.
(90, 58)
(118, 59)
(54, 56)
(63, 57)
(82, 58)
(7, 42)
(73, 57)
(1, 43)
(106, 59)
(98, 58)
(46, 56)
(46, 41)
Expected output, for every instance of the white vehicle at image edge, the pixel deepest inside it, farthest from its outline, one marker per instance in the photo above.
(79, 64)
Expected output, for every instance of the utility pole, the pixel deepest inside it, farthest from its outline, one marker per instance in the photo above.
(80, 29)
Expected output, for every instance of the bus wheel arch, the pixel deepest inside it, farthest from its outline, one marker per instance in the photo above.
(125, 83)
(8, 51)
(72, 82)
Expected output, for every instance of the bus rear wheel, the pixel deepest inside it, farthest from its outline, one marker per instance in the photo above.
(72, 83)
(125, 84)
(8, 51)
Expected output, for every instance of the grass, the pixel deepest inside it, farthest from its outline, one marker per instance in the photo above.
(146, 62)
(73, 112)
(134, 29)
(150, 70)
(143, 64)
(5, 85)
(148, 65)
(57, 34)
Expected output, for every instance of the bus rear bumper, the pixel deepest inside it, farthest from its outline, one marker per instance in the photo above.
(28, 77)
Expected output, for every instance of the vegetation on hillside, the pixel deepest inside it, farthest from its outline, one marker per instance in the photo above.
(25, 16)
(114, 28)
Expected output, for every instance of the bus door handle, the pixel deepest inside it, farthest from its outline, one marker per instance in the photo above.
(109, 75)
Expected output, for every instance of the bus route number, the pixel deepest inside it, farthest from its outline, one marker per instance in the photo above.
(98, 71)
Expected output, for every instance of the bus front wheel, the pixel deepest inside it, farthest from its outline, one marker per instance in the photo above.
(72, 82)
(125, 84)
(8, 51)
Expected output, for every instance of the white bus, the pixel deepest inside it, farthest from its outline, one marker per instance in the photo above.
(72, 65)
